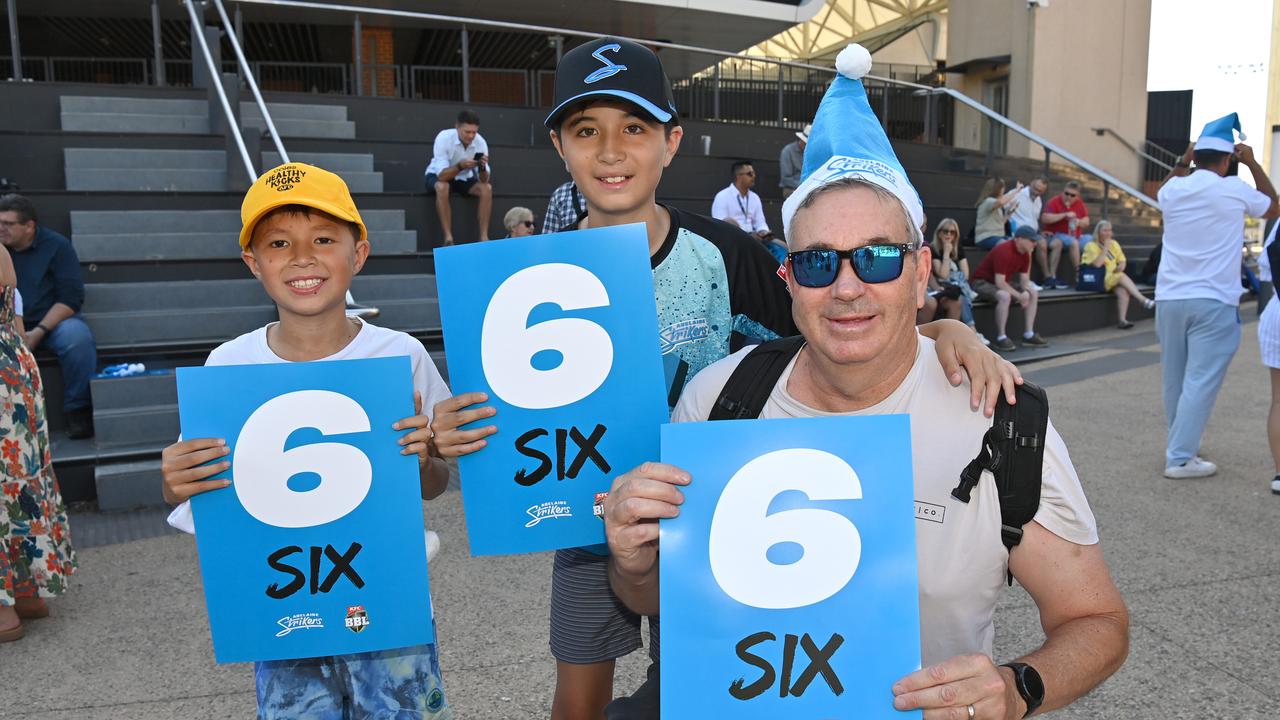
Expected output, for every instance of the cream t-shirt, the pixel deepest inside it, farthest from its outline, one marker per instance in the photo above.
(962, 561)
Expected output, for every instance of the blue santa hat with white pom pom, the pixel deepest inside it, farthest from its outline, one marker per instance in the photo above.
(1217, 134)
(848, 142)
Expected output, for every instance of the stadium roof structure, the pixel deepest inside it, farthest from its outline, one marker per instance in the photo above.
(872, 23)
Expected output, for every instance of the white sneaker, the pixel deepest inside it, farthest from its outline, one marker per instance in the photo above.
(984, 339)
(1275, 485)
(1196, 467)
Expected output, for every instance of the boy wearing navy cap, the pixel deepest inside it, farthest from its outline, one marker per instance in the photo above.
(717, 289)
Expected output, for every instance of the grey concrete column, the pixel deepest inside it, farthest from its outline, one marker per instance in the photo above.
(466, 67)
(359, 59)
(13, 41)
(156, 44)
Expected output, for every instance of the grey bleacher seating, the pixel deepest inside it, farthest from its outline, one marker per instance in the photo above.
(194, 170)
(133, 235)
(204, 312)
(191, 117)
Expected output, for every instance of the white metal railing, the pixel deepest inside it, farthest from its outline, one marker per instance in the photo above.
(215, 79)
(1050, 147)
(249, 80)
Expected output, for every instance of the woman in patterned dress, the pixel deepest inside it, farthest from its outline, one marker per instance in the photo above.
(35, 543)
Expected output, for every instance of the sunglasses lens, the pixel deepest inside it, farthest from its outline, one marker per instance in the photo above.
(878, 263)
(815, 268)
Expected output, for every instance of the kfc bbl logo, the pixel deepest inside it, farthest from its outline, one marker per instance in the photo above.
(284, 178)
(357, 618)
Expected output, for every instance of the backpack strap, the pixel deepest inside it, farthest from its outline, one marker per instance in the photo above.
(1013, 451)
(747, 390)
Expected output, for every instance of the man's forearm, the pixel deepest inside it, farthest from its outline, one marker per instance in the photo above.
(56, 314)
(1262, 182)
(1077, 656)
(637, 591)
(449, 173)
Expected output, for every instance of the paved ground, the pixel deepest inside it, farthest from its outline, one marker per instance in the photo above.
(1196, 560)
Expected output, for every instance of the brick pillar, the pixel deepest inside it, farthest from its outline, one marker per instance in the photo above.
(377, 49)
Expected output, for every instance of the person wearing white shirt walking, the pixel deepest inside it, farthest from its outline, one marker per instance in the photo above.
(1198, 286)
(738, 204)
(460, 166)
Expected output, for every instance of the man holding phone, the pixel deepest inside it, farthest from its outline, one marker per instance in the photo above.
(460, 166)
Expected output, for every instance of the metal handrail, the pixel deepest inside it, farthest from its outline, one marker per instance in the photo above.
(253, 84)
(1092, 169)
(215, 78)
(1131, 148)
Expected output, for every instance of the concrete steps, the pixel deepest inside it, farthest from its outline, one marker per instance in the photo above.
(108, 169)
(137, 235)
(191, 117)
(167, 314)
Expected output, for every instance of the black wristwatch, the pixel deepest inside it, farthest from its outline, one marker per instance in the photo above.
(1029, 685)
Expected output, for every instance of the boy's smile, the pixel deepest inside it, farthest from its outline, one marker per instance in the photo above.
(305, 262)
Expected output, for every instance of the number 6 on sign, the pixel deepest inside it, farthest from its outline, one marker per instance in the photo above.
(345, 472)
(508, 343)
(561, 332)
(743, 531)
(788, 580)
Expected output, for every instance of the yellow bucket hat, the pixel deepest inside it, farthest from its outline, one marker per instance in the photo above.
(297, 184)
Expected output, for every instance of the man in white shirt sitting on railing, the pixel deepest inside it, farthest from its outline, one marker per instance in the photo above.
(460, 166)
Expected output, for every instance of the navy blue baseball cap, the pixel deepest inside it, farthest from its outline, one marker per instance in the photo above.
(611, 67)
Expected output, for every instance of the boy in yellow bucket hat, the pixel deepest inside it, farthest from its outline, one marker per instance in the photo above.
(303, 238)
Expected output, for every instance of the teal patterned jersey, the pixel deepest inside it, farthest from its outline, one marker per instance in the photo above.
(717, 289)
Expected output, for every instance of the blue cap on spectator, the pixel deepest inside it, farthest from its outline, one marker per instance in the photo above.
(1026, 231)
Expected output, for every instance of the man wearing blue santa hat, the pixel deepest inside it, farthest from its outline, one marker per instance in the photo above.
(857, 270)
(1198, 285)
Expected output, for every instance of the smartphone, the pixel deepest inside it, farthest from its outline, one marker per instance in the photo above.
(479, 156)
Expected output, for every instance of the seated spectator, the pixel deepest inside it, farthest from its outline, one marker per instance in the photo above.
(566, 208)
(951, 270)
(1026, 212)
(791, 162)
(929, 310)
(460, 166)
(53, 292)
(1003, 276)
(994, 206)
(519, 222)
(1104, 251)
(738, 204)
(1065, 218)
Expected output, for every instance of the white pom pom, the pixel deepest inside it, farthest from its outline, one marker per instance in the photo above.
(1243, 137)
(853, 62)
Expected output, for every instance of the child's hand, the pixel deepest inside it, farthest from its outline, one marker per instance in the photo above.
(418, 441)
(182, 466)
(449, 416)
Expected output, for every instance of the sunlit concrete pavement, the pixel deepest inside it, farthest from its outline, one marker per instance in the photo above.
(1197, 562)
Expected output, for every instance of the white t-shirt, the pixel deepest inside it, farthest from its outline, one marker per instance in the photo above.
(448, 150)
(1027, 210)
(370, 342)
(1203, 234)
(962, 561)
(748, 212)
(1264, 261)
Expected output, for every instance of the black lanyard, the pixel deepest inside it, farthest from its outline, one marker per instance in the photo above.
(744, 207)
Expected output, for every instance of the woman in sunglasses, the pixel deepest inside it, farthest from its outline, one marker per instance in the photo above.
(1104, 251)
(519, 222)
(994, 206)
(951, 272)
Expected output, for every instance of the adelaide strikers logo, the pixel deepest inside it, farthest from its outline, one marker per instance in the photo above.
(285, 177)
(610, 68)
(357, 618)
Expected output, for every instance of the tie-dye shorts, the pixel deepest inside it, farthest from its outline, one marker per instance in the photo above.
(401, 684)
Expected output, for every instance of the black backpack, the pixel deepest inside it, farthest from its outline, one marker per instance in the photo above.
(1013, 449)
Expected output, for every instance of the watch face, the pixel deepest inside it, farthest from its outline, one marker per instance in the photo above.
(1032, 682)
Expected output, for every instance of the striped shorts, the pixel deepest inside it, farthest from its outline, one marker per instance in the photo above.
(589, 624)
(1269, 334)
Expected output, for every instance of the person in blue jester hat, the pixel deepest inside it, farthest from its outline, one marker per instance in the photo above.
(1198, 286)
(857, 270)
(616, 127)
